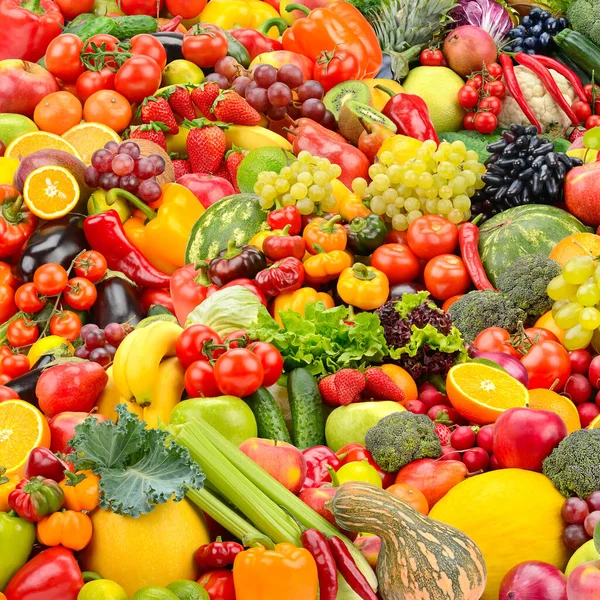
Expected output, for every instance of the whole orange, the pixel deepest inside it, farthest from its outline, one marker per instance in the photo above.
(403, 380)
(413, 496)
(58, 112)
(109, 108)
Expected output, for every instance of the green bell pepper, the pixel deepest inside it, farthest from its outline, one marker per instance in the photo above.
(17, 537)
(366, 234)
(97, 204)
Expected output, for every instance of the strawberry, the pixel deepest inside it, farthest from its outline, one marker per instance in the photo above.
(181, 167)
(180, 101)
(443, 432)
(206, 145)
(343, 388)
(222, 171)
(153, 132)
(158, 109)
(233, 159)
(230, 107)
(204, 97)
(381, 387)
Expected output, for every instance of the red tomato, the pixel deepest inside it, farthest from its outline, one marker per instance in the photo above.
(476, 81)
(468, 121)
(271, 360)
(495, 339)
(239, 372)
(592, 121)
(200, 380)
(138, 77)
(7, 393)
(336, 66)
(218, 584)
(50, 279)
(62, 57)
(15, 365)
(496, 89)
(103, 42)
(582, 110)
(27, 298)
(431, 236)
(446, 276)
(535, 335)
(448, 303)
(468, 97)
(22, 332)
(6, 275)
(397, 261)
(147, 45)
(187, 9)
(396, 237)
(491, 103)
(495, 70)
(235, 337)
(7, 302)
(73, 8)
(191, 343)
(431, 58)
(5, 351)
(548, 365)
(485, 122)
(90, 82)
(151, 8)
(204, 44)
(91, 265)
(66, 324)
(591, 92)
(357, 453)
(80, 293)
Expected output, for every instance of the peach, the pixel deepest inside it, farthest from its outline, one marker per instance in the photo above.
(584, 582)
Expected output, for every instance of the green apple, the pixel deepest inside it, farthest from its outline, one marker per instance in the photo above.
(229, 415)
(583, 554)
(12, 126)
(350, 423)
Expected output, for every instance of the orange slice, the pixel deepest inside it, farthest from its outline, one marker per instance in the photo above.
(22, 428)
(86, 138)
(595, 424)
(31, 142)
(541, 399)
(51, 192)
(481, 394)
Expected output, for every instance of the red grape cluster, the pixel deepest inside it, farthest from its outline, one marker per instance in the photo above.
(122, 166)
(581, 517)
(582, 385)
(100, 345)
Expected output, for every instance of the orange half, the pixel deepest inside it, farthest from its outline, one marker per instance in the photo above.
(31, 142)
(86, 138)
(541, 399)
(51, 192)
(481, 394)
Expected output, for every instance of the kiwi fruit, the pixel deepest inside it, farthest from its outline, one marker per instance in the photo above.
(337, 96)
(353, 112)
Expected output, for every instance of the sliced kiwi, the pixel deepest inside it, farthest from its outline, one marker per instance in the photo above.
(337, 96)
(351, 115)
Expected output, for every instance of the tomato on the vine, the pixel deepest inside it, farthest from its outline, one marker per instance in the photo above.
(485, 122)
(333, 67)
(91, 265)
(200, 380)
(102, 42)
(50, 279)
(548, 365)
(431, 57)
(187, 9)
(63, 57)
(239, 372)
(90, 82)
(147, 45)
(66, 324)
(15, 365)
(204, 44)
(80, 293)
(190, 345)
(582, 110)
(271, 360)
(238, 338)
(431, 235)
(497, 89)
(7, 302)
(468, 121)
(22, 332)
(446, 276)
(468, 97)
(592, 92)
(495, 70)
(496, 339)
(534, 335)
(5, 351)
(138, 78)
(491, 103)
(397, 261)
(475, 81)
(27, 298)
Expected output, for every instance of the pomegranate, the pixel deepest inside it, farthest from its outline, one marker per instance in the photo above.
(533, 580)
(468, 48)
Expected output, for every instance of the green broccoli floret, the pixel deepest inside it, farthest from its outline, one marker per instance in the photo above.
(400, 438)
(584, 17)
(574, 465)
(524, 283)
(478, 310)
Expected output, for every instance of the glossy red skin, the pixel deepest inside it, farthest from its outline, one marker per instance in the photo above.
(219, 584)
(23, 85)
(584, 582)
(42, 462)
(582, 193)
(207, 188)
(548, 365)
(62, 429)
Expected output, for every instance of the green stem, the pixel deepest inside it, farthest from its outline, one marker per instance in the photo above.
(115, 193)
(34, 6)
(319, 249)
(300, 7)
(232, 249)
(88, 576)
(386, 90)
(362, 272)
(329, 226)
(11, 210)
(266, 26)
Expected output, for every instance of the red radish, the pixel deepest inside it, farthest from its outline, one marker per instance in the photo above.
(580, 361)
(578, 388)
(449, 453)
(485, 438)
(533, 580)
(444, 414)
(462, 438)
(467, 48)
(588, 411)
(523, 438)
(415, 406)
(431, 396)
(593, 501)
(591, 521)
(476, 459)
(594, 372)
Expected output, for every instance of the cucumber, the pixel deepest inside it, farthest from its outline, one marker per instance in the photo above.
(306, 406)
(580, 50)
(269, 420)
(566, 60)
(78, 22)
(129, 26)
(97, 26)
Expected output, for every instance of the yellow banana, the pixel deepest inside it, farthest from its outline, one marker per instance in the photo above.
(168, 387)
(145, 357)
(249, 138)
(119, 365)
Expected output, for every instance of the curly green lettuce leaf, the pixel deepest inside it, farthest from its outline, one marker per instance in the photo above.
(409, 302)
(433, 338)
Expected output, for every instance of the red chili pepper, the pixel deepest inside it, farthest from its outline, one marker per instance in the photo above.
(105, 233)
(17, 224)
(256, 41)
(286, 275)
(350, 572)
(217, 555)
(548, 81)
(515, 90)
(552, 63)
(43, 463)
(249, 284)
(316, 543)
(172, 25)
(288, 215)
(190, 287)
(410, 115)
(276, 247)
(468, 239)
(35, 498)
(317, 459)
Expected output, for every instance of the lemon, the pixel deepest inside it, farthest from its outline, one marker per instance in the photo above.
(8, 168)
(268, 158)
(154, 593)
(401, 146)
(102, 589)
(438, 86)
(181, 71)
(188, 590)
(45, 345)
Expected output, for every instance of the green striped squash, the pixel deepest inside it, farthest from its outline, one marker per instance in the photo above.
(239, 217)
(531, 229)
(419, 558)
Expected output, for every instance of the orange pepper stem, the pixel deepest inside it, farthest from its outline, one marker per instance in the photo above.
(362, 272)
(329, 226)
(300, 7)
(114, 194)
(73, 479)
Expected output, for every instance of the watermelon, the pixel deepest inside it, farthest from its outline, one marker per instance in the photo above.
(530, 229)
(239, 217)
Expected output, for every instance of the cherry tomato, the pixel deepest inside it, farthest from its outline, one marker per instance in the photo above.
(102, 42)
(495, 70)
(448, 303)
(218, 584)
(591, 92)
(15, 365)
(80, 293)
(27, 298)
(548, 365)
(446, 276)
(22, 332)
(90, 82)
(237, 339)
(239, 372)
(62, 57)
(271, 360)
(7, 302)
(497, 89)
(592, 121)
(200, 380)
(138, 77)
(476, 81)
(534, 335)
(468, 121)
(4, 379)
(5, 351)
(187, 9)
(468, 97)
(50, 279)
(7, 276)
(91, 265)
(7, 393)
(147, 45)
(495, 339)
(485, 122)
(356, 453)
(335, 66)
(431, 236)
(204, 44)
(491, 103)
(190, 344)
(397, 261)
(582, 110)
(66, 324)
(431, 58)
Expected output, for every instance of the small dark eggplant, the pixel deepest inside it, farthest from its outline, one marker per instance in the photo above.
(25, 384)
(117, 302)
(172, 42)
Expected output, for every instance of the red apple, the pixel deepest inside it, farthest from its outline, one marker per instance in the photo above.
(369, 547)
(23, 85)
(281, 460)
(317, 499)
(584, 582)
(582, 193)
(207, 188)
(62, 429)
(524, 437)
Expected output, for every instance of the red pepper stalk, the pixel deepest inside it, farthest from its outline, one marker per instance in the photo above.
(190, 287)
(277, 247)
(256, 41)
(284, 276)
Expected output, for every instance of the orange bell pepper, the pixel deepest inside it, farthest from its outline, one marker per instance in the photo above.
(329, 235)
(81, 491)
(298, 300)
(325, 266)
(67, 528)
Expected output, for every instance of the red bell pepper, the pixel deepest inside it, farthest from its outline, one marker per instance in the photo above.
(43, 463)
(277, 247)
(318, 459)
(218, 584)
(35, 498)
(282, 277)
(256, 41)
(217, 555)
(251, 285)
(190, 287)
(51, 575)
(17, 224)
(150, 297)
(288, 215)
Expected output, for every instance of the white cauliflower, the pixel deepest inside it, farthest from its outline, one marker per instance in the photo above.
(545, 109)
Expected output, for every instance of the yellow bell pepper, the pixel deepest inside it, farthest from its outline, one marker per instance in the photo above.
(365, 287)
(7, 484)
(163, 238)
(325, 266)
(259, 239)
(298, 300)
(97, 204)
(248, 14)
(351, 206)
(379, 98)
(45, 345)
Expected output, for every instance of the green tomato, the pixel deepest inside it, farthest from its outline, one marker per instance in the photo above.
(359, 471)
(102, 589)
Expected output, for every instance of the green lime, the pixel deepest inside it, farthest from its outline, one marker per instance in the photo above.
(188, 590)
(154, 592)
(181, 71)
(102, 589)
(267, 158)
(13, 125)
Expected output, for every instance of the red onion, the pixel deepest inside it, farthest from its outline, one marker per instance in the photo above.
(509, 363)
(533, 580)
